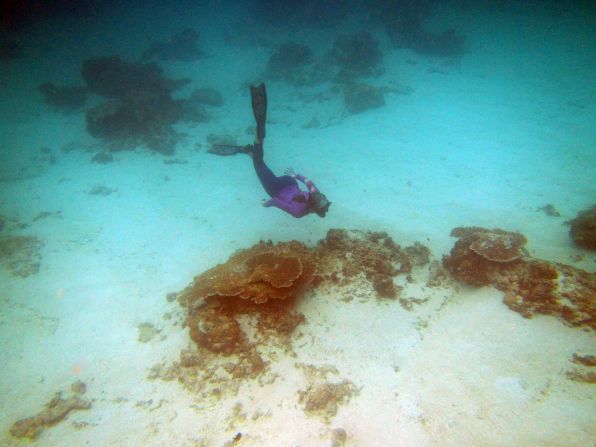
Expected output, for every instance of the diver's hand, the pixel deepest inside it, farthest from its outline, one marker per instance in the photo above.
(290, 172)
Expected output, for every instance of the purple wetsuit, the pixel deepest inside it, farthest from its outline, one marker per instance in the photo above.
(284, 191)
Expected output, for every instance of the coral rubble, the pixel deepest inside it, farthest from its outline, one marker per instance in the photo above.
(20, 255)
(54, 412)
(532, 286)
(582, 229)
(344, 255)
(322, 399)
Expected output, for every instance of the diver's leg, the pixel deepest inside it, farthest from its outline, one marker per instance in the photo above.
(271, 183)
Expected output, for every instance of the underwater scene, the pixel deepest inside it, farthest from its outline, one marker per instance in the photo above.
(298, 223)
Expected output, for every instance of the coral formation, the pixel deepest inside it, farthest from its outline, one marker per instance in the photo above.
(344, 255)
(241, 314)
(360, 97)
(179, 47)
(532, 286)
(586, 360)
(404, 24)
(111, 77)
(65, 98)
(260, 273)
(20, 255)
(293, 63)
(54, 412)
(235, 308)
(356, 55)
(322, 399)
(583, 228)
(479, 253)
(140, 108)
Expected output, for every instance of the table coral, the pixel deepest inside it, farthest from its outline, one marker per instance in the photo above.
(532, 286)
(260, 273)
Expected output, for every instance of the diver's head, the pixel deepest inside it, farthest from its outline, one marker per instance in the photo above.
(318, 203)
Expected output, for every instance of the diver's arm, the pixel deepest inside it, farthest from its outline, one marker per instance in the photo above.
(309, 184)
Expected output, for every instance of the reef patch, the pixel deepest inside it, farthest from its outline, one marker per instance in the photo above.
(482, 257)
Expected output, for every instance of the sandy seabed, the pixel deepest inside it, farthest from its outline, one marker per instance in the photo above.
(485, 141)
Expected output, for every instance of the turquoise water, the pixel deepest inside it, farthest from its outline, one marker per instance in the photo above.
(407, 127)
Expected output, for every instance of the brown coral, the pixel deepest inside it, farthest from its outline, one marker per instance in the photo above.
(323, 399)
(234, 308)
(54, 412)
(481, 252)
(260, 273)
(532, 286)
(583, 228)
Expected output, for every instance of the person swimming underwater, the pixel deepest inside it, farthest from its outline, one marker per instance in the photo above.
(284, 191)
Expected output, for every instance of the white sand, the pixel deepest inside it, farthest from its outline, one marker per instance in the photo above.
(486, 141)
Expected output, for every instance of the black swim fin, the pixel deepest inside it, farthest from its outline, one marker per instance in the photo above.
(229, 149)
(259, 108)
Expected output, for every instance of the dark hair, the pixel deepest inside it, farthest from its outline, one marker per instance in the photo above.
(319, 203)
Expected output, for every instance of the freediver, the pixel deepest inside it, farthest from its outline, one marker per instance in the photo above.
(284, 191)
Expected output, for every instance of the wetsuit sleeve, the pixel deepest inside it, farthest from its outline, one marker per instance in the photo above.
(309, 184)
